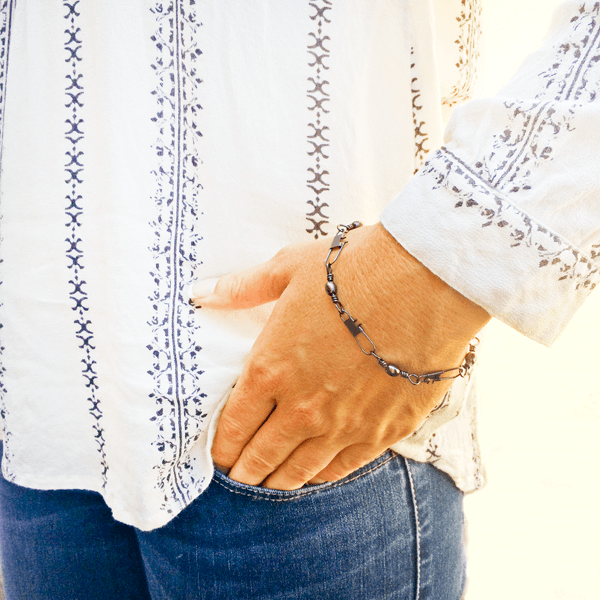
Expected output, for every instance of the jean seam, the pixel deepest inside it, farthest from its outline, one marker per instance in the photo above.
(417, 528)
(260, 494)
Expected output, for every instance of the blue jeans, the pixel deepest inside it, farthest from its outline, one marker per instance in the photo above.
(391, 530)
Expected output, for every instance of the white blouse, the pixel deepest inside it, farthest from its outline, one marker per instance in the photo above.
(147, 144)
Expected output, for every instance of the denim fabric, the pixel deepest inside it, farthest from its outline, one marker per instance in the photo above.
(64, 544)
(391, 530)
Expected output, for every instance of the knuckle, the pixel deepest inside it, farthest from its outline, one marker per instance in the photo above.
(228, 444)
(231, 429)
(236, 288)
(300, 471)
(260, 374)
(306, 417)
(352, 429)
(255, 462)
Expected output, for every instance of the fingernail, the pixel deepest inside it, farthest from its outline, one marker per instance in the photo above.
(204, 287)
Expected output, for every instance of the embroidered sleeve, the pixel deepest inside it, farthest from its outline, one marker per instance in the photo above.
(507, 212)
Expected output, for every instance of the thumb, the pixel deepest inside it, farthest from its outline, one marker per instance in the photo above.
(244, 289)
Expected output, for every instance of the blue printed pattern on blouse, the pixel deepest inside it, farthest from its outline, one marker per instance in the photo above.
(318, 99)
(180, 417)
(74, 168)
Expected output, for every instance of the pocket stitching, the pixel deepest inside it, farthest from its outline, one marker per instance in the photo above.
(258, 493)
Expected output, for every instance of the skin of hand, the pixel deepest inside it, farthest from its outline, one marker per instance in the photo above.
(309, 406)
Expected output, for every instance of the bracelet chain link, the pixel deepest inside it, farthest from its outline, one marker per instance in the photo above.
(356, 329)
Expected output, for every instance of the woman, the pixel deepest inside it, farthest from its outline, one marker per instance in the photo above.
(149, 148)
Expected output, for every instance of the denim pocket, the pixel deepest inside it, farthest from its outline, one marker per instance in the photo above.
(262, 493)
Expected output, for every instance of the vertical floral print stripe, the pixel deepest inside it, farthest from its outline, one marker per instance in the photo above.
(179, 415)
(468, 43)
(421, 135)
(318, 97)
(74, 211)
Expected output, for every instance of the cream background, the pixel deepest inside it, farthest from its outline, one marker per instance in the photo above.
(534, 531)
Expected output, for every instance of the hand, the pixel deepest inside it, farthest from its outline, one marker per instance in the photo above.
(309, 406)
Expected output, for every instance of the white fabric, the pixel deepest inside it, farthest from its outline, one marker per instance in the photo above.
(148, 145)
(517, 179)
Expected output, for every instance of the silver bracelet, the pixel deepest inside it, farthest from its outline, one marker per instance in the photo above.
(357, 330)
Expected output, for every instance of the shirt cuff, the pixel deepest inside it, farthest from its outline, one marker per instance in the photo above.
(495, 254)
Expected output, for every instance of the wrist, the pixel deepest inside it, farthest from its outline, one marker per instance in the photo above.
(416, 320)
